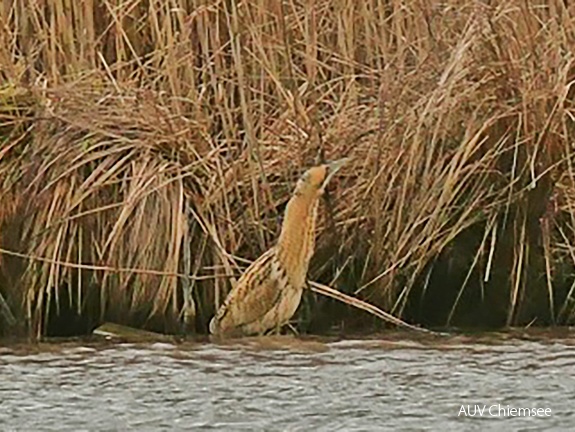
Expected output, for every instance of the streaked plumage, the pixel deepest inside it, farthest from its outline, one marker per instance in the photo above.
(269, 292)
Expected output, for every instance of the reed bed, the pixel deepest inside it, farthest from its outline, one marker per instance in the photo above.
(149, 147)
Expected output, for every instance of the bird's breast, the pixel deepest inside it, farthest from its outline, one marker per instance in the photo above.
(288, 304)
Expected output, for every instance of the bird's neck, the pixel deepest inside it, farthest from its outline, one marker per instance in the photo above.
(297, 239)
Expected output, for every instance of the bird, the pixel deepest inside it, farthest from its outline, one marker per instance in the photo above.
(268, 293)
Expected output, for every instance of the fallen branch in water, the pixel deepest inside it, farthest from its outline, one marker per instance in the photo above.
(360, 304)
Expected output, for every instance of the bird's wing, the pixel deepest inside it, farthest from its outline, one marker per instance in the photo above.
(256, 292)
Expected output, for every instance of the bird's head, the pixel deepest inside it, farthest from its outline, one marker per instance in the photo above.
(313, 182)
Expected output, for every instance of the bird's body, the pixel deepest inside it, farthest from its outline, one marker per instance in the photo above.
(268, 294)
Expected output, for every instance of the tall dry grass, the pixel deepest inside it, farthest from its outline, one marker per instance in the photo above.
(149, 148)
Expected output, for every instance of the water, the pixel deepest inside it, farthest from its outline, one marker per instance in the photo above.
(395, 382)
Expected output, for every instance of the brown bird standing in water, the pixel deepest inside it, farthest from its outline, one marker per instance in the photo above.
(269, 292)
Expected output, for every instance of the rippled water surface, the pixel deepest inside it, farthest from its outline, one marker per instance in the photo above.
(395, 382)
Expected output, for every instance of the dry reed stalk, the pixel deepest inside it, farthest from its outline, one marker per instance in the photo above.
(163, 125)
(359, 304)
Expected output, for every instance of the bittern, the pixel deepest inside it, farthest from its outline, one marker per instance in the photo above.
(269, 292)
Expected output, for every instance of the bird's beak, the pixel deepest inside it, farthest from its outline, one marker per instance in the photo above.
(334, 167)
